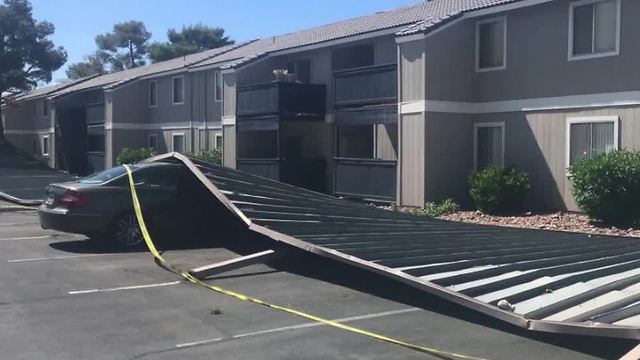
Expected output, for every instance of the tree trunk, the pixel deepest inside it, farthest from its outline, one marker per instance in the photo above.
(133, 64)
(2, 138)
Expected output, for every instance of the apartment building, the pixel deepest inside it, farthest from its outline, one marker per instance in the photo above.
(399, 106)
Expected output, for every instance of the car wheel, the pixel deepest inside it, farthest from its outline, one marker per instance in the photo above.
(126, 230)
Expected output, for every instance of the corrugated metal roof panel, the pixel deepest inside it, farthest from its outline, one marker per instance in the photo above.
(560, 282)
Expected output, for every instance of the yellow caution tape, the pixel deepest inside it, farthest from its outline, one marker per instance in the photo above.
(335, 324)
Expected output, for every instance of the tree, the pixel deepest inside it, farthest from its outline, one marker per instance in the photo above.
(93, 65)
(27, 55)
(191, 39)
(129, 35)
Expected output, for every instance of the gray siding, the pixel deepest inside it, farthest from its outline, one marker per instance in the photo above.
(412, 71)
(537, 59)
(447, 161)
(536, 142)
(167, 111)
(229, 151)
(129, 104)
(412, 160)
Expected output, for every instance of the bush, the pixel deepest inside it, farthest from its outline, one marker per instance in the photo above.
(498, 190)
(130, 156)
(213, 156)
(607, 187)
(433, 209)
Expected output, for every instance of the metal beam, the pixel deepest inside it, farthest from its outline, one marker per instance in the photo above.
(206, 271)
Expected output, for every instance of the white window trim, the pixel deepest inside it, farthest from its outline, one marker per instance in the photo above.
(173, 142)
(504, 44)
(218, 136)
(588, 120)
(217, 75)
(478, 125)
(615, 52)
(173, 97)
(156, 94)
(155, 136)
(45, 149)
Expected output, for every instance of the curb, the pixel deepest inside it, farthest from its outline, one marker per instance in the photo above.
(16, 208)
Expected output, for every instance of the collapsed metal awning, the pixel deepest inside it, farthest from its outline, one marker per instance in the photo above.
(557, 282)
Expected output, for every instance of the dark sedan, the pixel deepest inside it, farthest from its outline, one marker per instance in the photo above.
(100, 206)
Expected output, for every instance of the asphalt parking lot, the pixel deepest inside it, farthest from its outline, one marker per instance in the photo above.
(66, 298)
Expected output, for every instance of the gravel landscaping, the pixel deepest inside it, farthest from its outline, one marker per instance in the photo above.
(561, 221)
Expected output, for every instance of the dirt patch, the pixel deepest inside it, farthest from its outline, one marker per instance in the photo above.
(561, 221)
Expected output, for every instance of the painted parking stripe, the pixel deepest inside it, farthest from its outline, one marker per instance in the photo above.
(300, 326)
(64, 257)
(26, 238)
(134, 287)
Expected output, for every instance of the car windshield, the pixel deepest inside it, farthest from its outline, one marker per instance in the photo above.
(104, 176)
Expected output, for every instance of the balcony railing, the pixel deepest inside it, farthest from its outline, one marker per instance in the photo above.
(281, 98)
(366, 86)
(373, 179)
(306, 173)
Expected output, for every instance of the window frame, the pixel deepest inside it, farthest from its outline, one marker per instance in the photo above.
(173, 141)
(217, 77)
(478, 125)
(216, 142)
(173, 90)
(155, 82)
(45, 149)
(615, 119)
(104, 135)
(616, 52)
(505, 37)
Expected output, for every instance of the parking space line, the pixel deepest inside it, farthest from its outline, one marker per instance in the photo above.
(64, 257)
(134, 287)
(300, 326)
(26, 238)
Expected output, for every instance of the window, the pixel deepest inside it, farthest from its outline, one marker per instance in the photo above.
(489, 144)
(152, 141)
(178, 90)
(153, 93)
(594, 28)
(302, 69)
(590, 136)
(491, 44)
(45, 108)
(177, 142)
(218, 142)
(95, 138)
(218, 86)
(355, 141)
(45, 145)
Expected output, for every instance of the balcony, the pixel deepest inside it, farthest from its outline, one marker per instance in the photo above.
(371, 85)
(283, 99)
(307, 173)
(371, 179)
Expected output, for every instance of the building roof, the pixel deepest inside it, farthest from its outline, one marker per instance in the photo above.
(112, 80)
(420, 17)
(408, 19)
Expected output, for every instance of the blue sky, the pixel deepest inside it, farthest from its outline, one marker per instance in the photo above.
(77, 22)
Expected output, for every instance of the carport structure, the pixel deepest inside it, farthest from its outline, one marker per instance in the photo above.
(545, 281)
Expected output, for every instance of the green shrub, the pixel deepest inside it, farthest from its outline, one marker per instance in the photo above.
(607, 187)
(213, 156)
(130, 156)
(434, 209)
(498, 190)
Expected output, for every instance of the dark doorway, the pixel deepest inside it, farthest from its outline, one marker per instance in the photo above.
(72, 144)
